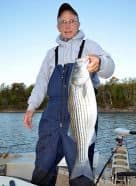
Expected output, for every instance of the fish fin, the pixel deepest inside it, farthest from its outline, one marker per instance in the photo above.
(82, 168)
(70, 133)
(93, 138)
(84, 90)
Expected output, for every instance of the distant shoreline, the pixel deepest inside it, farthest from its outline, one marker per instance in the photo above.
(100, 110)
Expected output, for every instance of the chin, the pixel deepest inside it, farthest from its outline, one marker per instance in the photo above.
(68, 37)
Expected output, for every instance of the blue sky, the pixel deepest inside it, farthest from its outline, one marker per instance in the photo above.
(28, 30)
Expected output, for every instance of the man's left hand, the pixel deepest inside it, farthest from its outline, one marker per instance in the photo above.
(94, 63)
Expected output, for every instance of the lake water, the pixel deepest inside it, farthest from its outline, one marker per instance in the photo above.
(15, 138)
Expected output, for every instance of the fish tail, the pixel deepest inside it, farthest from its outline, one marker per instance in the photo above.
(82, 169)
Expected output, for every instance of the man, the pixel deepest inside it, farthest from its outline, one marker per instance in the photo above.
(53, 80)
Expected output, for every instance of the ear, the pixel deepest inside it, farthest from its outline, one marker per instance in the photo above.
(58, 27)
(78, 24)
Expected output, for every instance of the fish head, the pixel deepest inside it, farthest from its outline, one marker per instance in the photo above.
(80, 73)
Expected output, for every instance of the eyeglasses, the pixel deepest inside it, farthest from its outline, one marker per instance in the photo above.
(70, 22)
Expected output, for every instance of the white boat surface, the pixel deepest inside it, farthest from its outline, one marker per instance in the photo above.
(11, 181)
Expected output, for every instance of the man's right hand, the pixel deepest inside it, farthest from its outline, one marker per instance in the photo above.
(28, 119)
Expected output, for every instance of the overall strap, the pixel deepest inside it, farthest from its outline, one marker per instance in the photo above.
(79, 54)
(56, 55)
(81, 49)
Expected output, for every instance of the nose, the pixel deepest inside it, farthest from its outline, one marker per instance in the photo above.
(67, 25)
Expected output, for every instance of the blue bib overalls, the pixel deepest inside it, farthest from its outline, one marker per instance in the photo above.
(54, 142)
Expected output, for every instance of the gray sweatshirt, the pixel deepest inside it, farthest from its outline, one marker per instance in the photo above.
(67, 53)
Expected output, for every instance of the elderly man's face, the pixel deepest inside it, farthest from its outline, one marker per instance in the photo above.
(68, 25)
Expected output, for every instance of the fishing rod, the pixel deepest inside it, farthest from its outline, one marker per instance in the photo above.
(121, 132)
(108, 161)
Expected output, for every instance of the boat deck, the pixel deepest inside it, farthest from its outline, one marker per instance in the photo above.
(62, 180)
(21, 166)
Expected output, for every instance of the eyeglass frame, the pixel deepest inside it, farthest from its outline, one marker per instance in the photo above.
(71, 21)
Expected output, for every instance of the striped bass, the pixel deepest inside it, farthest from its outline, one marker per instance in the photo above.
(83, 114)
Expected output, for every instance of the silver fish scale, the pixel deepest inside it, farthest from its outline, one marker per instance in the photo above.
(80, 114)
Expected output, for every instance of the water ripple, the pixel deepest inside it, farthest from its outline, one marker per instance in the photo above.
(15, 138)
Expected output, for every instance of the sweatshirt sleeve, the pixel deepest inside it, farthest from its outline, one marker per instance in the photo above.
(40, 89)
(107, 64)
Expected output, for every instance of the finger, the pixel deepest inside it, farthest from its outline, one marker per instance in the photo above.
(92, 67)
(28, 121)
(94, 59)
(91, 58)
(28, 125)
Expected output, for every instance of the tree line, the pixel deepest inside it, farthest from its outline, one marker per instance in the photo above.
(114, 94)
